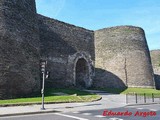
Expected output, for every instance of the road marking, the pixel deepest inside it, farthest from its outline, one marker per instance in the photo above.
(140, 108)
(115, 119)
(69, 116)
(86, 113)
(76, 112)
(152, 110)
(100, 116)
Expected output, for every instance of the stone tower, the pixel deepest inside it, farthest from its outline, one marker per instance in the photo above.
(19, 48)
(155, 57)
(122, 58)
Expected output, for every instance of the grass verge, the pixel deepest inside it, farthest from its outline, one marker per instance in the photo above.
(139, 91)
(72, 95)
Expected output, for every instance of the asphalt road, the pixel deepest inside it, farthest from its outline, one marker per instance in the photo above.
(97, 114)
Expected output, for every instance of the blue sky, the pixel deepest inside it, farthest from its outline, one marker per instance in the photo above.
(97, 14)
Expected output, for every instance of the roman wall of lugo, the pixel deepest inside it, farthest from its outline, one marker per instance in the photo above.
(19, 48)
(116, 57)
(122, 53)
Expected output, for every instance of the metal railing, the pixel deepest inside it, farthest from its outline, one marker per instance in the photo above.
(142, 98)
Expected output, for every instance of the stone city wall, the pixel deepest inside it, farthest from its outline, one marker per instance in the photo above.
(118, 55)
(122, 58)
(60, 45)
(155, 57)
(19, 48)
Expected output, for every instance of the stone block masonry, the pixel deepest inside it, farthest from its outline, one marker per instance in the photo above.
(62, 45)
(19, 48)
(114, 57)
(123, 51)
(155, 57)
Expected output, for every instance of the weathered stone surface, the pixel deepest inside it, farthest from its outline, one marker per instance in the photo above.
(155, 57)
(62, 45)
(19, 48)
(118, 55)
(123, 52)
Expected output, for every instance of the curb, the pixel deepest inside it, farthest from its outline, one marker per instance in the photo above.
(28, 113)
(37, 112)
(97, 99)
(141, 104)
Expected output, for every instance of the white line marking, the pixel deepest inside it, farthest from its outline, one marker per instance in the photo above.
(86, 113)
(76, 112)
(69, 116)
(115, 119)
(152, 110)
(140, 108)
(100, 116)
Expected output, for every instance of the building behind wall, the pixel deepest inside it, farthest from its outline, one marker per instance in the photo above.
(112, 57)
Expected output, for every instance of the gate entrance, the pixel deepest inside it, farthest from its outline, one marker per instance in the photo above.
(82, 73)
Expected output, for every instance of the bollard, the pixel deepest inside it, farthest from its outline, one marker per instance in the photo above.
(152, 97)
(126, 98)
(136, 97)
(144, 97)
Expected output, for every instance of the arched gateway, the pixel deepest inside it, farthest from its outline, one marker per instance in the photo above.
(80, 70)
(82, 73)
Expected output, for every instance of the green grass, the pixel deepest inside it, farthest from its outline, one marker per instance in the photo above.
(139, 91)
(72, 96)
(50, 92)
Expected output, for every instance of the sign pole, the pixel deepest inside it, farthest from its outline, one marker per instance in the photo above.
(42, 91)
(43, 70)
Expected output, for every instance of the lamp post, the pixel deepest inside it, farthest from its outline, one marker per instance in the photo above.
(43, 69)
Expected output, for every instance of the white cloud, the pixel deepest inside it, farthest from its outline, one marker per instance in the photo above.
(51, 8)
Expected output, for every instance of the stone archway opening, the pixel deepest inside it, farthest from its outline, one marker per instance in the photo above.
(82, 73)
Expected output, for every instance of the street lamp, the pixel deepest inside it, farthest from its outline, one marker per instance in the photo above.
(43, 70)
